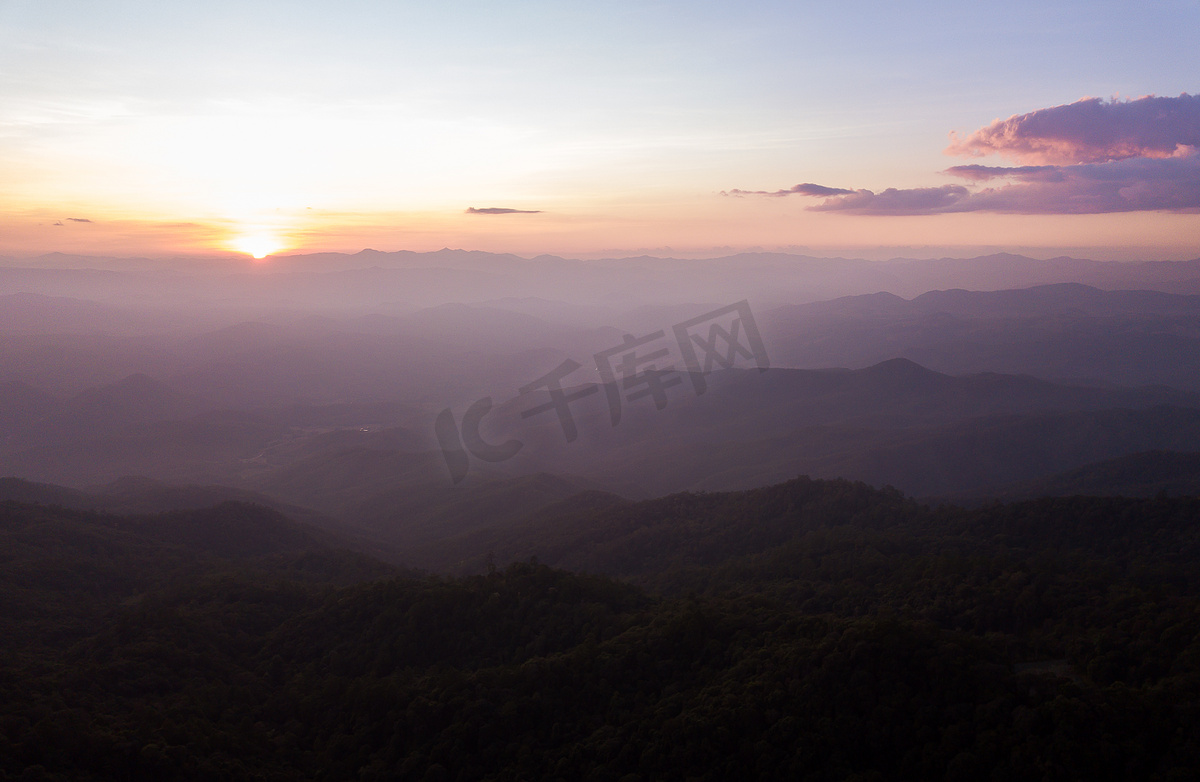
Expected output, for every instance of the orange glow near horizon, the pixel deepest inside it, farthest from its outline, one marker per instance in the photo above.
(702, 225)
(173, 130)
(258, 246)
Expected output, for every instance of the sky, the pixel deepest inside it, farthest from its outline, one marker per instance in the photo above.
(599, 129)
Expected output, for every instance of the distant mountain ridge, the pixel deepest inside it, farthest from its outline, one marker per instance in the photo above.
(1144, 474)
(1038, 300)
(896, 422)
(425, 279)
(1065, 331)
(135, 495)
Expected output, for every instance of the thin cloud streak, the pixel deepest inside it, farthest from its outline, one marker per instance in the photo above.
(500, 210)
(807, 188)
(893, 201)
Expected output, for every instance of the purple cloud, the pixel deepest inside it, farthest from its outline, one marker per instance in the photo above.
(79, 219)
(500, 210)
(1131, 185)
(1090, 130)
(807, 188)
(915, 201)
(1024, 173)
(1087, 157)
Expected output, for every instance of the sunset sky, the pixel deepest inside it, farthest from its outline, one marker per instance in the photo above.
(606, 128)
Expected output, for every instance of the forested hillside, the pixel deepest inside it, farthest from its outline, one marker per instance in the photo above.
(813, 630)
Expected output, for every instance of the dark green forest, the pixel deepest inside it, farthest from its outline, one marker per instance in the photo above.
(816, 630)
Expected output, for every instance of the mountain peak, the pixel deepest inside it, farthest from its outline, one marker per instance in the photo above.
(900, 368)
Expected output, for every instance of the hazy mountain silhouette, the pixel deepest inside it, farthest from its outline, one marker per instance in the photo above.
(426, 279)
(752, 428)
(1146, 474)
(314, 380)
(1057, 331)
(136, 495)
(135, 399)
(23, 412)
(212, 447)
(19, 490)
(209, 461)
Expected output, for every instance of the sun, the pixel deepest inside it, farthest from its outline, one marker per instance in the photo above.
(258, 245)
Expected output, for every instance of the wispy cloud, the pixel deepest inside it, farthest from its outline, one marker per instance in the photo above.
(500, 210)
(79, 220)
(1088, 157)
(807, 188)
